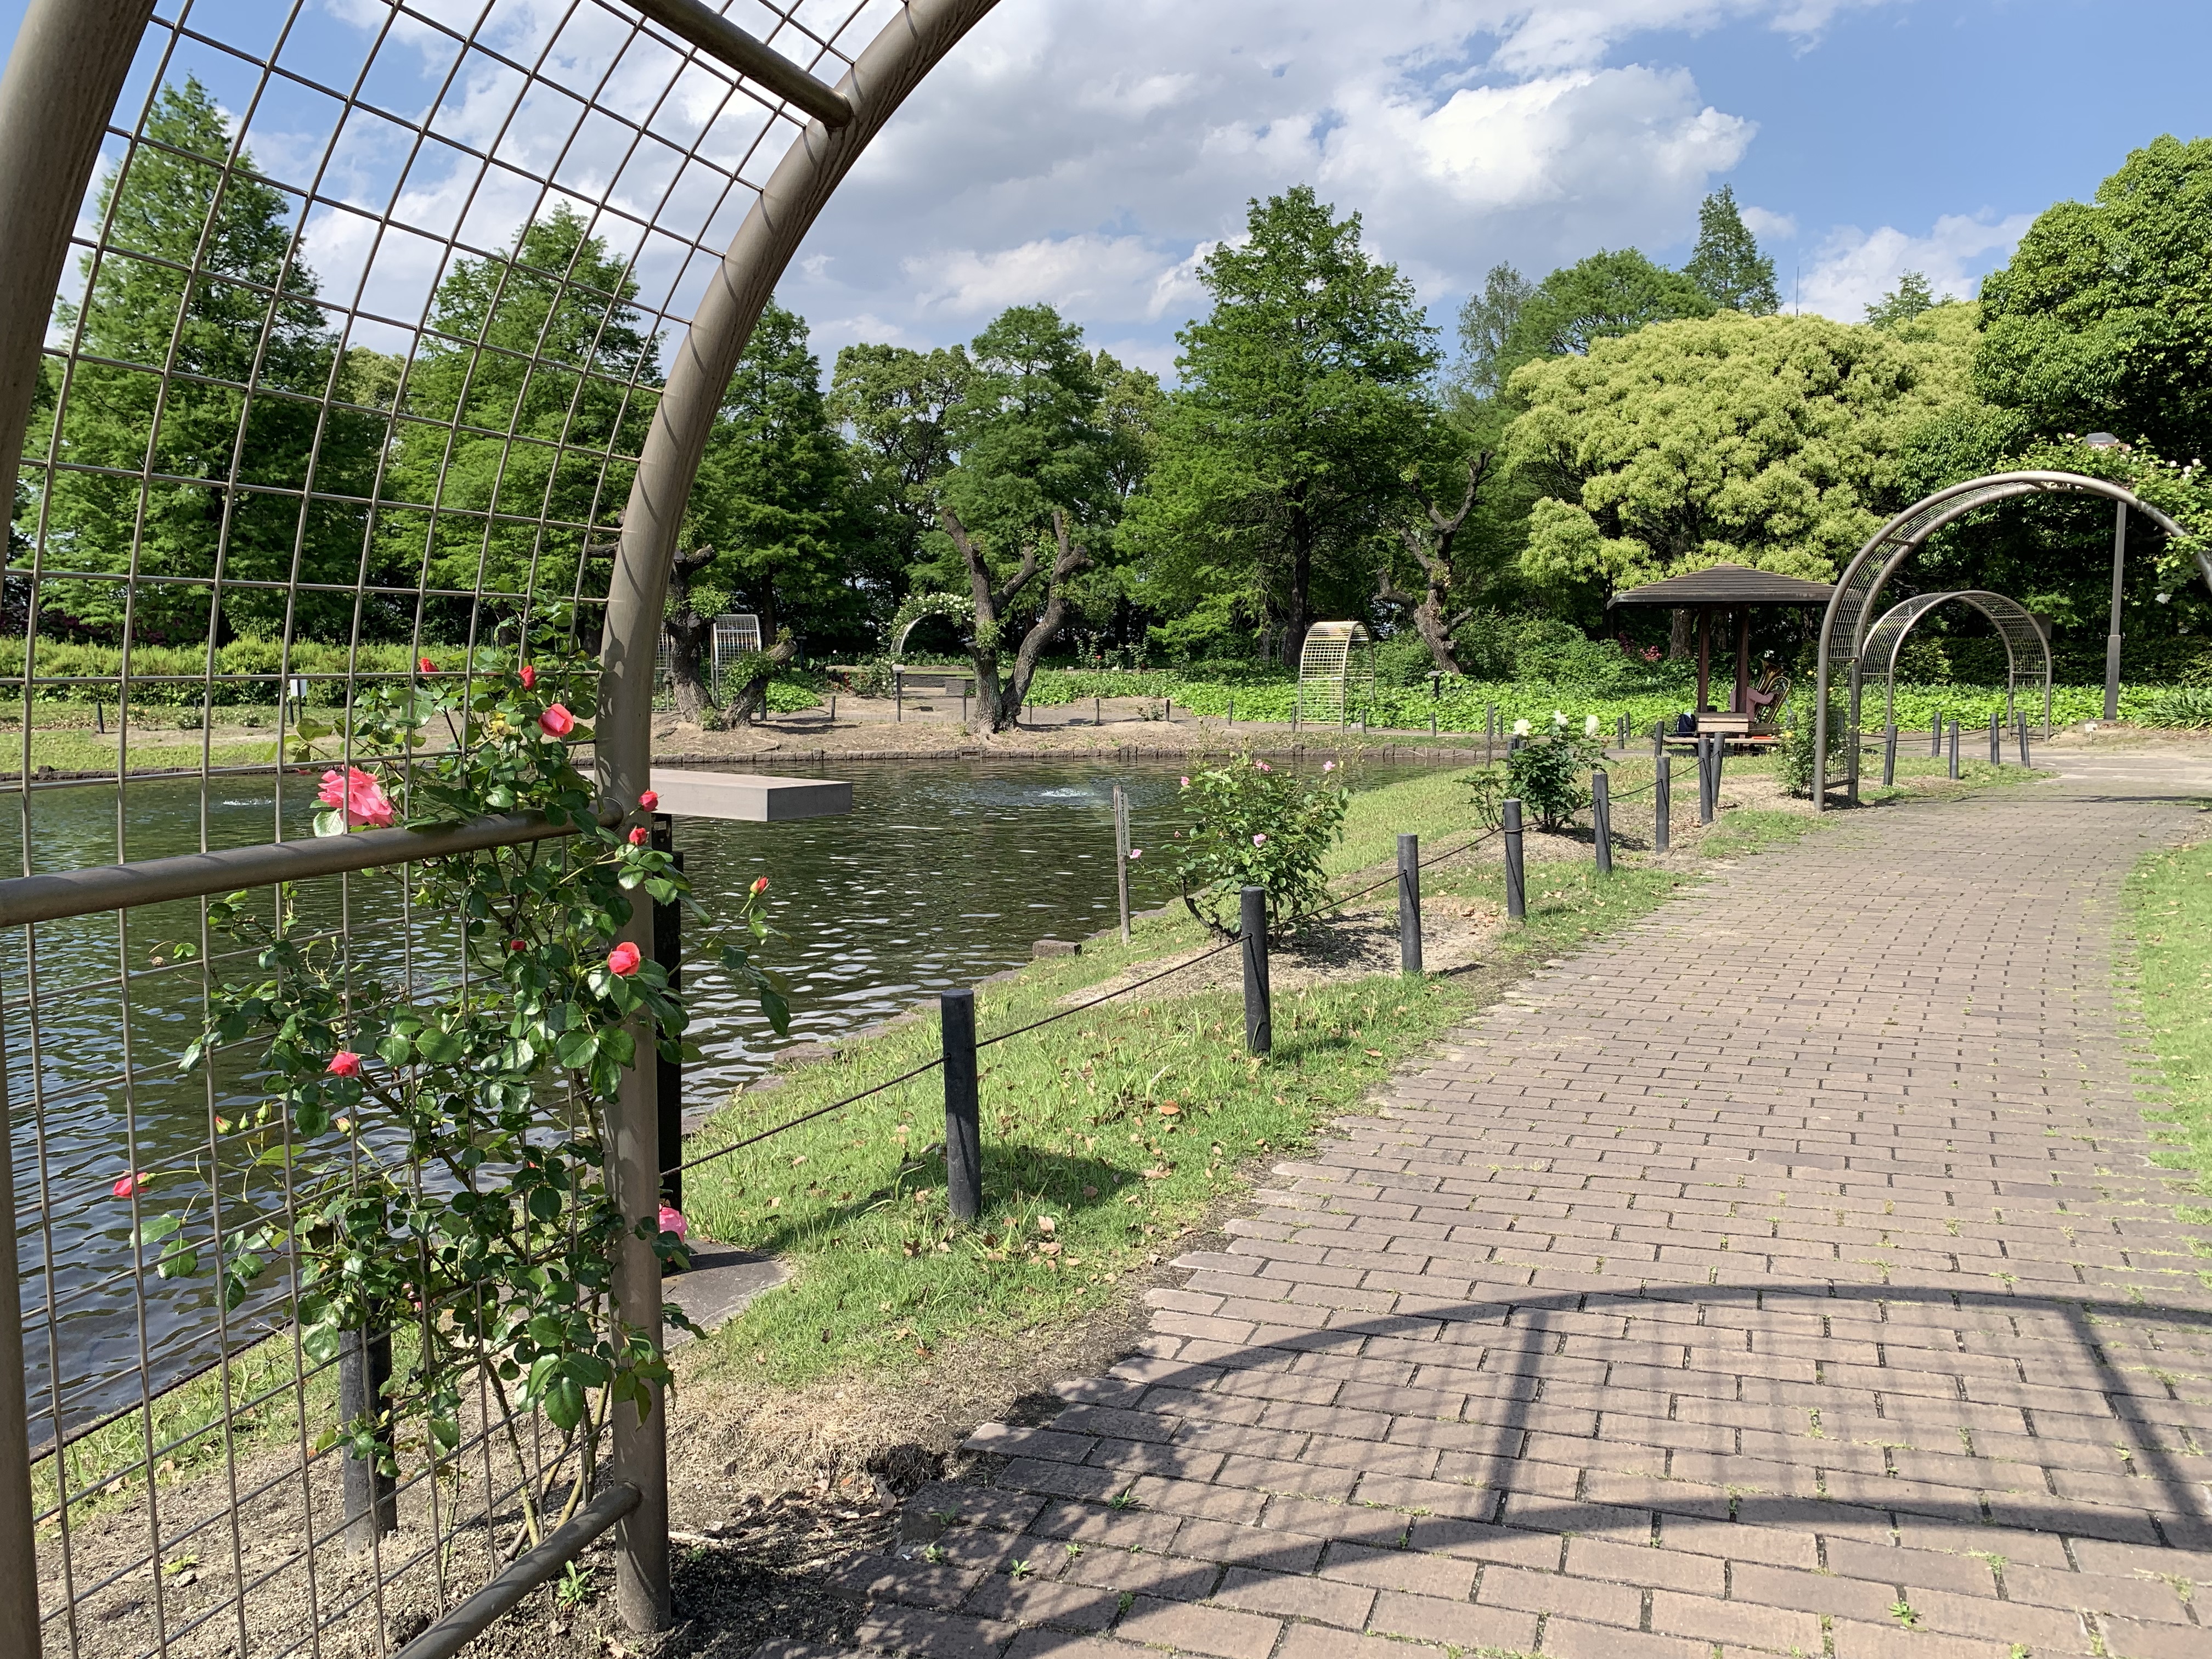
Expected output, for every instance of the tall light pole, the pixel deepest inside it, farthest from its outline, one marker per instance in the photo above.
(2103, 440)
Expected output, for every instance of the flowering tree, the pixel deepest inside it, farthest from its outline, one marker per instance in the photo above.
(1254, 826)
(444, 1145)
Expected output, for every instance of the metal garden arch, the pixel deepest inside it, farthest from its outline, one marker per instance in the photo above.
(2014, 625)
(1851, 617)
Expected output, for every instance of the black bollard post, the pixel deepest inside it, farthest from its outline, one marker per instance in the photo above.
(963, 1112)
(1658, 738)
(1935, 734)
(364, 1371)
(1720, 760)
(899, 695)
(1889, 756)
(668, 1086)
(1621, 726)
(1996, 739)
(1704, 778)
(1409, 904)
(1954, 749)
(1121, 856)
(1601, 820)
(2024, 760)
(1516, 884)
(1259, 1011)
(1662, 789)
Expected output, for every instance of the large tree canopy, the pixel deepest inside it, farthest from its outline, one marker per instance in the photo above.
(1305, 396)
(216, 335)
(2099, 323)
(1600, 298)
(1770, 442)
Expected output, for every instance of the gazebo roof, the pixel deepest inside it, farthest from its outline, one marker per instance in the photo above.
(1728, 584)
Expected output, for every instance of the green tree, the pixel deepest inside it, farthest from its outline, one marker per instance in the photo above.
(1030, 493)
(1485, 324)
(896, 405)
(1770, 442)
(2098, 321)
(249, 317)
(775, 491)
(1726, 265)
(1905, 303)
(1600, 298)
(1305, 397)
(529, 399)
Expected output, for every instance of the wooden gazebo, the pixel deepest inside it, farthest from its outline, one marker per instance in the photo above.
(1723, 590)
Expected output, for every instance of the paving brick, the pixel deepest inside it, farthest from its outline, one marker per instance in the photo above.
(1309, 1641)
(1570, 1638)
(1457, 1623)
(1295, 1595)
(1401, 1570)
(1214, 1630)
(1735, 1623)
(1551, 1592)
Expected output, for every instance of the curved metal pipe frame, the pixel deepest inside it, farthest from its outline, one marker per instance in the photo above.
(1844, 626)
(2016, 626)
(890, 68)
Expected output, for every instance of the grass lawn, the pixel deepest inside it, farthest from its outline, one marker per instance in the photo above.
(1111, 1133)
(2169, 909)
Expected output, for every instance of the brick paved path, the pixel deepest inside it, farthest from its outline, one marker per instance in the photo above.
(1785, 1275)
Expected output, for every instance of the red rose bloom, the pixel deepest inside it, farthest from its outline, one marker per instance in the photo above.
(344, 1063)
(529, 678)
(623, 960)
(639, 836)
(647, 801)
(426, 665)
(557, 722)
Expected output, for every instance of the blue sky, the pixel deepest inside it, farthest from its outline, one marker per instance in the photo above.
(1088, 153)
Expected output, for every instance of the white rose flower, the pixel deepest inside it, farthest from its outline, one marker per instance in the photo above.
(1589, 726)
(1557, 718)
(1520, 728)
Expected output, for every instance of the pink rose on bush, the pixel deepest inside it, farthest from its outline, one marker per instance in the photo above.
(426, 665)
(1259, 840)
(359, 796)
(673, 1221)
(647, 801)
(639, 836)
(623, 960)
(344, 1063)
(759, 883)
(529, 676)
(127, 1186)
(557, 722)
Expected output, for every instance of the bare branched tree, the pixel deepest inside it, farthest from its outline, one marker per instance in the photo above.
(1430, 541)
(999, 702)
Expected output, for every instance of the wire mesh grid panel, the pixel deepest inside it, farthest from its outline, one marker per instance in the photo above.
(363, 325)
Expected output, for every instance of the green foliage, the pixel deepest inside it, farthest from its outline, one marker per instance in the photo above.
(251, 320)
(1794, 752)
(2096, 322)
(1485, 324)
(1905, 303)
(438, 1147)
(1252, 824)
(1304, 400)
(490, 431)
(2169, 906)
(1726, 265)
(774, 495)
(176, 675)
(1603, 297)
(898, 405)
(1768, 441)
(1548, 772)
(2184, 707)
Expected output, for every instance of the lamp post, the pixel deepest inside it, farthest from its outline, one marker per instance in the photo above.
(2100, 442)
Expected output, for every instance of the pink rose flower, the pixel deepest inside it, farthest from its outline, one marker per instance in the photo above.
(1259, 840)
(128, 1185)
(1264, 767)
(529, 676)
(359, 796)
(1328, 766)
(344, 1063)
(1136, 853)
(1186, 783)
(673, 1221)
(759, 883)
(557, 722)
(426, 665)
(639, 836)
(623, 960)
(648, 801)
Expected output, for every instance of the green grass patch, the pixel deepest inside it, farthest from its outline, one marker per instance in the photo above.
(2169, 916)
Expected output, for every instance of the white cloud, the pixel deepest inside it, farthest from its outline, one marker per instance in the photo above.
(1853, 268)
(1087, 155)
(1768, 225)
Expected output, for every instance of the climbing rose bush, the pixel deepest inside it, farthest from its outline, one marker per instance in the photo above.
(1548, 773)
(1254, 824)
(445, 1141)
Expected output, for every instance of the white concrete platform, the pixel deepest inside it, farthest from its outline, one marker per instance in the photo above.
(749, 797)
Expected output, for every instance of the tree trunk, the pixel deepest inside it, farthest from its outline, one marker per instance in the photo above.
(1432, 551)
(749, 706)
(1678, 636)
(998, 704)
(1301, 612)
(690, 639)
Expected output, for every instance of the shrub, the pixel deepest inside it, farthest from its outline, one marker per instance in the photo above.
(2187, 707)
(1548, 773)
(1254, 825)
(1794, 751)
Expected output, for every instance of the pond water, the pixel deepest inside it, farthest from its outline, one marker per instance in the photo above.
(944, 873)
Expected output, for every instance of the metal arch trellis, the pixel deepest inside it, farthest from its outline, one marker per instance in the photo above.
(526, 453)
(2015, 625)
(1849, 618)
(1335, 663)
